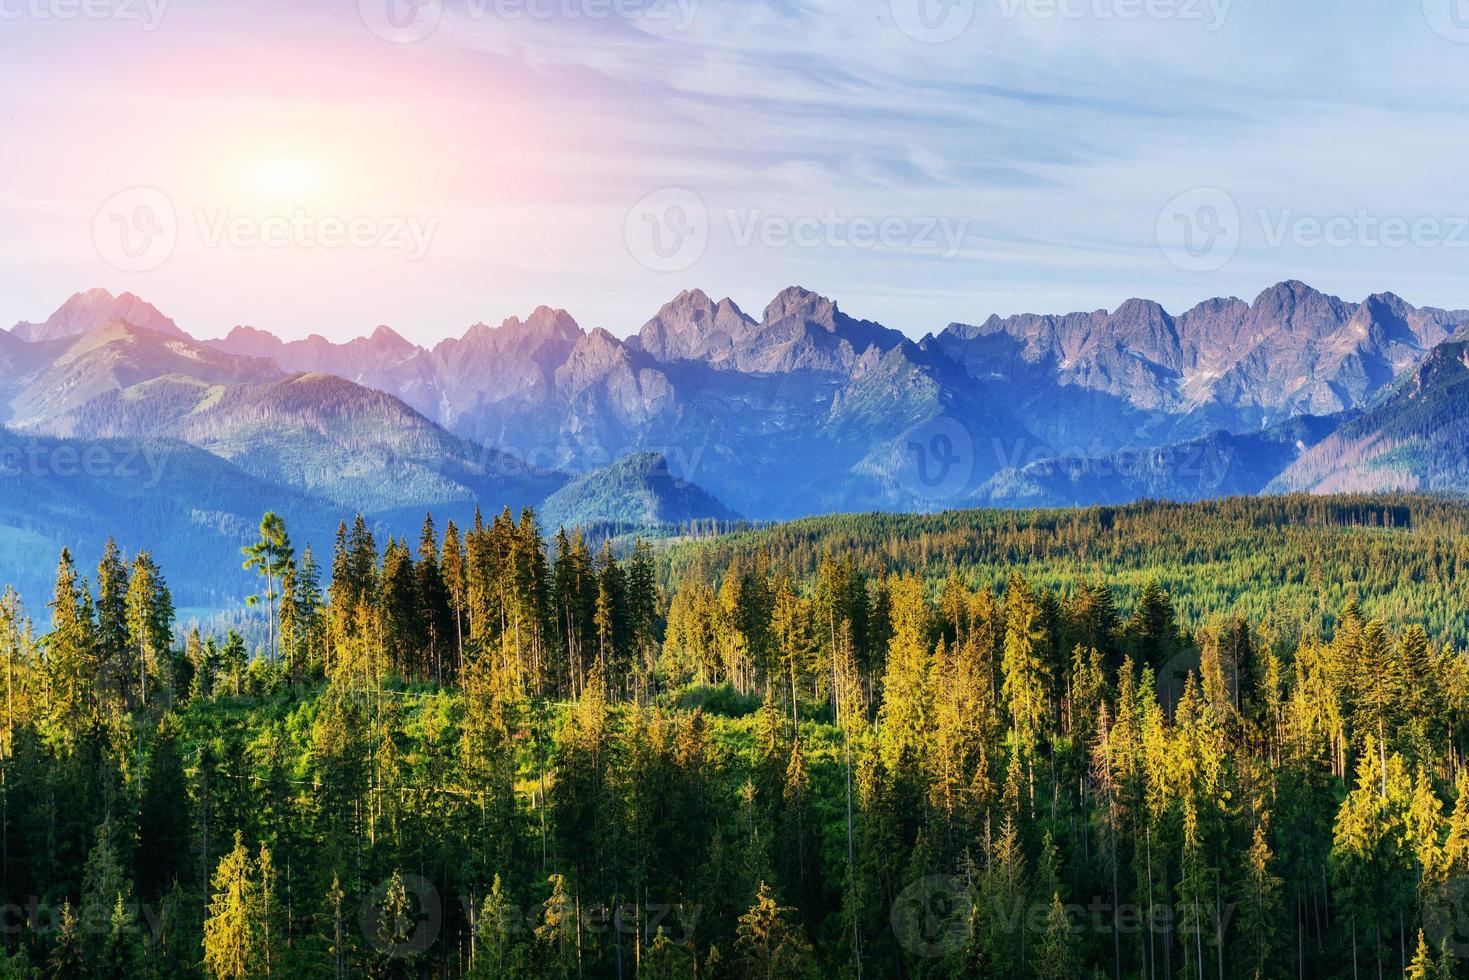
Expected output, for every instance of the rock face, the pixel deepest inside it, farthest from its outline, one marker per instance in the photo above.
(85, 312)
(513, 365)
(692, 327)
(800, 331)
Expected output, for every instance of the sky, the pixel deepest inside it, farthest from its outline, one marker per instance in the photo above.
(330, 165)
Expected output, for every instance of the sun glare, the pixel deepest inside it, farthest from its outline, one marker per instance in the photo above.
(285, 176)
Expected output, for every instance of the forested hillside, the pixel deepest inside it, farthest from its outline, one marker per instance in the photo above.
(1050, 744)
(1293, 561)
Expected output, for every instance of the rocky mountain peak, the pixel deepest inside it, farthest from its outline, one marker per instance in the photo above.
(692, 326)
(1391, 301)
(556, 322)
(85, 311)
(1299, 308)
(799, 303)
(1141, 310)
(597, 353)
(388, 340)
(242, 333)
(515, 334)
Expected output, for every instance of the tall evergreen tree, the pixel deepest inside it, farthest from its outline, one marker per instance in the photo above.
(149, 613)
(70, 650)
(112, 649)
(233, 940)
(270, 557)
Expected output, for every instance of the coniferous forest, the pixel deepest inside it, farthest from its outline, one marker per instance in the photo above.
(1161, 741)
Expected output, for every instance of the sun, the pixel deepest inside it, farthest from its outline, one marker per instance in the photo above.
(285, 176)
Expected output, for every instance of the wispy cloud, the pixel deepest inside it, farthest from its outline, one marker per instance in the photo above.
(1053, 131)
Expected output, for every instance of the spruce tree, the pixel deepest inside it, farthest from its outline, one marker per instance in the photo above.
(112, 646)
(149, 621)
(233, 943)
(70, 650)
(270, 556)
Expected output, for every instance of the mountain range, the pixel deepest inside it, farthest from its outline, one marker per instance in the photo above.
(807, 409)
(716, 414)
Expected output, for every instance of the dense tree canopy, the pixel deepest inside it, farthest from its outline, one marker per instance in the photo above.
(497, 754)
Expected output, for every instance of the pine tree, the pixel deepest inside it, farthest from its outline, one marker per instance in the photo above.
(233, 944)
(270, 557)
(1377, 686)
(269, 934)
(233, 660)
(149, 619)
(799, 831)
(768, 945)
(402, 630)
(558, 932)
(70, 656)
(608, 618)
(498, 955)
(1456, 848)
(667, 960)
(360, 553)
(1001, 895)
(1260, 906)
(1423, 967)
(451, 568)
(340, 945)
(434, 603)
(643, 602)
(530, 601)
(112, 647)
(394, 929)
(907, 707)
(1448, 958)
(17, 650)
(67, 959)
(121, 953)
(1442, 883)
(1057, 959)
(309, 639)
(1415, 666)
(1153, 629)
(1367, 857)
(1026, 683)
(104, 886)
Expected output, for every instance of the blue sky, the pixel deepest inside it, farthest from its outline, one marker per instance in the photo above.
(1009, 156)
